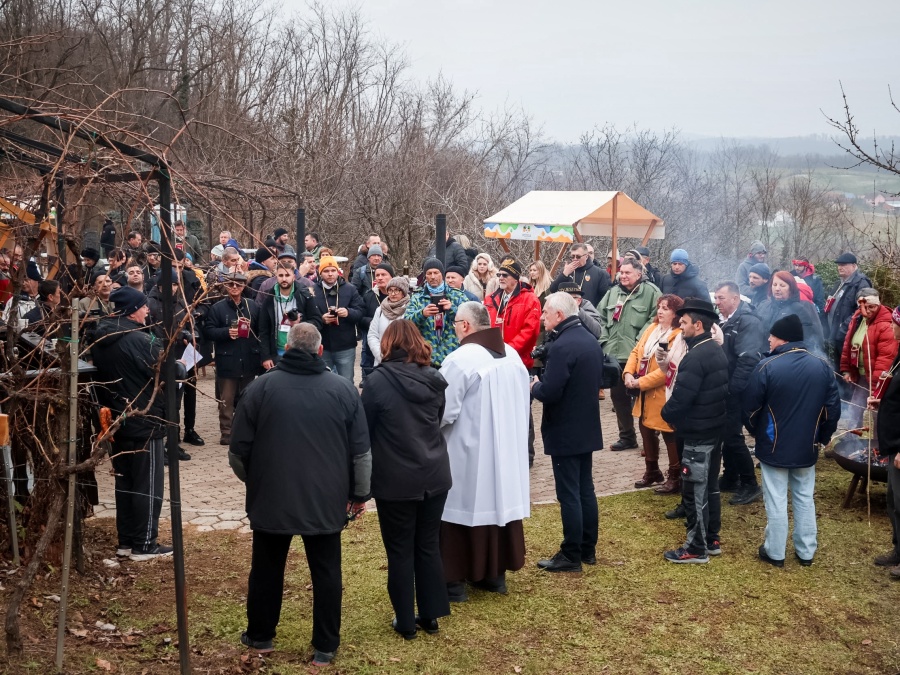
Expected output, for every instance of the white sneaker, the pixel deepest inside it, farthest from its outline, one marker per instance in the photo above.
(123, 552)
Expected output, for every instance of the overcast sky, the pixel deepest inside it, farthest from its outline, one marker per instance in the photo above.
(705, 67)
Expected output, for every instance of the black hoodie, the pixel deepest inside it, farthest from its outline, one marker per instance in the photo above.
(404, 403)
(685, 285)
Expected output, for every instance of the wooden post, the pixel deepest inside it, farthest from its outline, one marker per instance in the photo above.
(504, 245)
(537, 250)
(10, 500)
(648, 233)
(562, 254)
(615, 234)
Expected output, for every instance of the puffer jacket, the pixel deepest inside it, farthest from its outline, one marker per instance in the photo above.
(685, 285)
(618, 338)
(454, 255)
(520, 323)
(742, 336)
(443, 340)
(790, 404)
(696, 409)
(648, 406)
(878, 344)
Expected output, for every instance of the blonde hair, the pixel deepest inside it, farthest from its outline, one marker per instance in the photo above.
(491, 270)
(543, 281)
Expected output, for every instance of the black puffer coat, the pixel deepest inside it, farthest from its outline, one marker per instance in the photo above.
(240, 357)
(404, 403)
(696, 409)
(742, 336)
(688, 284)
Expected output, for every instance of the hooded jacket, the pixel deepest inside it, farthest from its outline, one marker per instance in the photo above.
(878, 345)
(126, 354)
(593, 281)
(790, 404)
(299, 434)
(685, 285)
(454, 255)
(771, 310)
(520, 322)
(404, 404)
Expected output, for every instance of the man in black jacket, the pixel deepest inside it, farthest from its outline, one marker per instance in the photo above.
(126, 356)
(683, 278)
(841, 304)
(233, 325)
(289, 303)
(581, 270)
(573, 373)
(742, 335)
(342, 310)
(454, 254)
(697, 412)
(300, 484)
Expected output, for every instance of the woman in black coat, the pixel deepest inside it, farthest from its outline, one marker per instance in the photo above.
(404, 403)
(785, 299)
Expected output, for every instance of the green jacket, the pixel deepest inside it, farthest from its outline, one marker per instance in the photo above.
(618, 338)
(441, 343)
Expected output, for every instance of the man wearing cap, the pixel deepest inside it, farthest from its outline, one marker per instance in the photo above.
(758, 284)
(433, 309)
(364, 276)
(841, 303)
(587, 313)
(697, 412)
(233, 326)
(887, 426)
(757, 255)
(261, 268)
(683, 280)
(792, 407)
(126, 356)
(625, 312)
(342, 309)
(288, 304)
(281, 241)
(654, 276)
(372, 298)
(581, 270)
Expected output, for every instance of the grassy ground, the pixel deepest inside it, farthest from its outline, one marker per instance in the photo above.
(632, 613)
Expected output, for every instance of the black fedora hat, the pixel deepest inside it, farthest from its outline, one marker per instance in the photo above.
(698, 306)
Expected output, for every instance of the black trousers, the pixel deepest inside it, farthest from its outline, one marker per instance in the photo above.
(700, 463)
(622, 404)
(190, 400)
(140, 481)
(577, 505)
(266, 586)
(736, 458)
(410, 531)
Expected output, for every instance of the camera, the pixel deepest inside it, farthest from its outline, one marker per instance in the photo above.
(292, 315)
(539, 353)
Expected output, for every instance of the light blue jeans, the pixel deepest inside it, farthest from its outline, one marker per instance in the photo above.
(341, 362)
(775, 483)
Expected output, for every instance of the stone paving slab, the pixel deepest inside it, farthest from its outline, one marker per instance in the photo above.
(213, 498)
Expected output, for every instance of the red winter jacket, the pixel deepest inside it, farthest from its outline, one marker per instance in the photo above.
(879, 342)
(521, 320)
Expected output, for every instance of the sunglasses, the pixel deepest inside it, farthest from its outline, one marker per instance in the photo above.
(503, 275)
(232, 284)
(577, 257)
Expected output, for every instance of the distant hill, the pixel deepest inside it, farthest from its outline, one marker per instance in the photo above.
(821, 145)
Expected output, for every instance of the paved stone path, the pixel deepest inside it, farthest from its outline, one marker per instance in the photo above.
(213, 498)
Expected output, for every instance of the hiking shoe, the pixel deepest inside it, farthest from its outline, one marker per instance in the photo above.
(889, 559)
(623, 445)
(729, 485)
(193, 438)
(746, 495)
(682, 556)
(262, 646)
(765, 557)
(559, 563)
(142, 553)
(677, 512)
(714, 548)
(804, 562)
(322, 658)
(123, 551)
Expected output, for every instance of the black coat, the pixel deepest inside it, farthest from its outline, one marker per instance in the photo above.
(239, 357)
(844, 306)
(404, 404)
(573, 376)
(454, 255)
(742, 337)
(372, 299)
(296, 431)
(654, 276)
(887, 423)
(336, 338)
(772, 310)
(688, 284)
(306, 307)
(696, 409)
(157, 325)
(126, 354)
(593, 281)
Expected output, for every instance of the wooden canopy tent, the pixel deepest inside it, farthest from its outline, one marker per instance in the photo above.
(566, 216)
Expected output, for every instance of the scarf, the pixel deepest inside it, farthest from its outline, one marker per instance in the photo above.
(394, 310)
(434, 290)
(656, 336)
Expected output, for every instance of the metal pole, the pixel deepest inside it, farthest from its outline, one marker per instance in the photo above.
(301, 232)
(172, 435)
(8, 476)
(440, 237)
(70, 507)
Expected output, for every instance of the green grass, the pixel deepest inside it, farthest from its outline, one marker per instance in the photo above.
(632, 613)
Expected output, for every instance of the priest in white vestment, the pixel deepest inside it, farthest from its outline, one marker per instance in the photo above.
(485, 424)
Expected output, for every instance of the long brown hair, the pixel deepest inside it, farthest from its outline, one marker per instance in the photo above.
(403, 335)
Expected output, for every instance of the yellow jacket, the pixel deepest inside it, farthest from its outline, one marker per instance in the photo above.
(648, 405)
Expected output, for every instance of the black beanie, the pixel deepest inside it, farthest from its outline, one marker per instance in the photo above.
(263, 254)
(433, 264)
(127, 300)
(511, 266)
(386, 266)
(91, 254)
(788, 329)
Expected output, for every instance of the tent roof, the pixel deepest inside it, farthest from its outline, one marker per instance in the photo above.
(591, 211)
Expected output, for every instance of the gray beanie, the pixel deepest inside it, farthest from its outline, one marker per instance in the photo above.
(375, 249)
(399, 282)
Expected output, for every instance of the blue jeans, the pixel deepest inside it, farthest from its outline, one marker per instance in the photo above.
(341, 362)
(577, 504)
(775, 483)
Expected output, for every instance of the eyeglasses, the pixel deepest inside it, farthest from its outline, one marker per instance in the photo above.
(460, 320)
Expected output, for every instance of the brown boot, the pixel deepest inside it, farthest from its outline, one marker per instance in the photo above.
(673, 482)
(652, 475)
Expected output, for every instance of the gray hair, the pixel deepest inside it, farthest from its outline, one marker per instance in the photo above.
(475, 313)
(562, 302)
(231, 250)
(305, 337)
